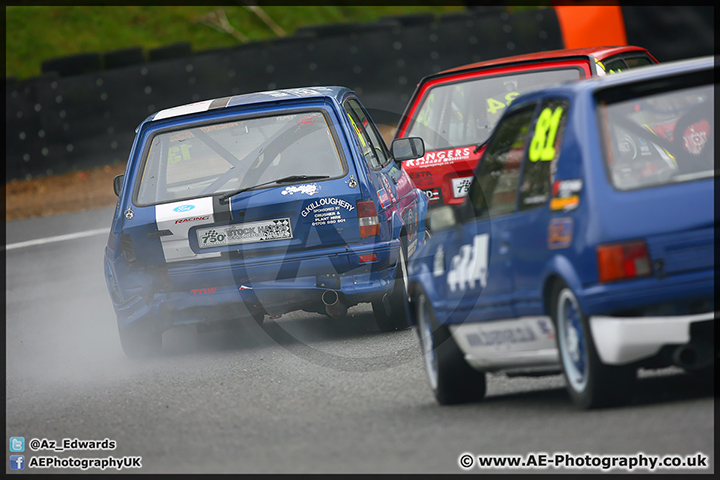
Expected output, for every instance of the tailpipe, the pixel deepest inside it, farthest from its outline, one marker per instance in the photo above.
(333, 305)
(692, 356)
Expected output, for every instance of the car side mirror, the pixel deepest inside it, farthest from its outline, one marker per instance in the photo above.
(117, 184)
(407, 148)
(442, 218)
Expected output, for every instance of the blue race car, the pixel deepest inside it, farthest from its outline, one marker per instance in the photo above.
(261, 204)
(585, 245)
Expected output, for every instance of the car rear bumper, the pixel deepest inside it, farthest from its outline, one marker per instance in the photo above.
(620, 341)
(273, 285)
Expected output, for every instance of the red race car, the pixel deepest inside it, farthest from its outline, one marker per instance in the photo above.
(454, 111)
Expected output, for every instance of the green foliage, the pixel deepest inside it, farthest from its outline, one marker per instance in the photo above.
(38, 33)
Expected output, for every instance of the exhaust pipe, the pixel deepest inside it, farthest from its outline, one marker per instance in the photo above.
(333, 305)
(685, 356)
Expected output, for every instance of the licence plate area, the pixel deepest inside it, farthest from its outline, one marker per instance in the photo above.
(249, 232)
(461, 185)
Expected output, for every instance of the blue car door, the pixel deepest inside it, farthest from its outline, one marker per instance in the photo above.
(537, 232)
(480, 256)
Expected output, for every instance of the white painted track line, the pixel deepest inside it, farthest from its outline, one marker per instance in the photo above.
(58, 238)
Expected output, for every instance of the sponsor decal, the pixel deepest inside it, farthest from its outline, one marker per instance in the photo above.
(329, 201)
(183, 208)
(384, 198)
(307, 121)
(470, 265)
(439, 262)
(203, 291)
(441, 157)
(421, 178)
(566, 194)
(502, 336)
(192, 219)
(309, 189)
(519, 334)
(433, 195)
(560, 232)
(461, 186)
(262, 231)
(220, 126)
(695, 137)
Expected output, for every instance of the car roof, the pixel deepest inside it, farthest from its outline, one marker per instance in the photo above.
(637, 74)
(335, 92)
(576, 88)
(598, 52)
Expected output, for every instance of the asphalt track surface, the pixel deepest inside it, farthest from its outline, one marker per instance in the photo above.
(306, 394)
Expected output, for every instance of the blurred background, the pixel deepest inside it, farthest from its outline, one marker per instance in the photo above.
(79, 79)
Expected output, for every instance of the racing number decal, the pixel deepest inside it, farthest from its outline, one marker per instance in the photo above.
(176, 154)
(542, 146)
(495, 105)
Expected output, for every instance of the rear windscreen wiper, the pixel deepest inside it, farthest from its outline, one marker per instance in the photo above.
(288, 179)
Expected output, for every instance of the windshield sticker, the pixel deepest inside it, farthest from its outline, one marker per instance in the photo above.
(560, 233)
(470, 265)
(440, 157)
(220, 126)
(306, 121)
(695, 137)
(309, 189)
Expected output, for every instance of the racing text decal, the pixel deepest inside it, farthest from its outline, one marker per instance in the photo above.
(441, 157)
(470, 265)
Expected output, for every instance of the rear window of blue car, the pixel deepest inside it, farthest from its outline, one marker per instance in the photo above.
(657, 134)
(210, 159)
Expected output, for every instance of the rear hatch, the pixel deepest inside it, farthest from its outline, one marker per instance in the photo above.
(221, 194)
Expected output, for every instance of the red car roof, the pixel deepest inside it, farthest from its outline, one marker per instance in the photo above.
(599, 52)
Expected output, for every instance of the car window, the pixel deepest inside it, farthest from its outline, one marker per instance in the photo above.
(465, 112)
(658, 136)
(494, 191)
(220, 157)
(615, 65)
(633, 62)
(543, 152)
(371, 143)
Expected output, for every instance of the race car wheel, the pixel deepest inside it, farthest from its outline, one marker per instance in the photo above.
(139, 340)
(590, 383)
(397, 316)
(451, 379)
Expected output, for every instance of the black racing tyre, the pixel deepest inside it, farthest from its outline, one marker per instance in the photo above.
(397, 316)
(590, 383)
(139, 340)
(451, 378)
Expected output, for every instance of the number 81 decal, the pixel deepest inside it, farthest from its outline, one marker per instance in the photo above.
(542, 146)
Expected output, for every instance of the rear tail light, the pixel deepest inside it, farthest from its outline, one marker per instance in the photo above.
(623, 261)
(368, 218)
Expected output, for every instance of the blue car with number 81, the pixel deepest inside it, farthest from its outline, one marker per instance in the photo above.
(257, 205)
(585, 245)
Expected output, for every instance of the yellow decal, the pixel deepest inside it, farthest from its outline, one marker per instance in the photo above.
(176, 154)
(495, 105)
(357, 131)
(566, 203)
(542, 146)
